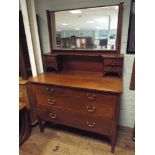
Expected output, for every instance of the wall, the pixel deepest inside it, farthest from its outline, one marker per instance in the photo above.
(127, 106)
(87, 33)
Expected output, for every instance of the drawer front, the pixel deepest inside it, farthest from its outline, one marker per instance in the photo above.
(42, 90)
(92, 97)
(77, 120)
(101, 105)
(51, 64)
(112, 61)
(112, 68)
(103, 110)
(94, 104)
(50, 59)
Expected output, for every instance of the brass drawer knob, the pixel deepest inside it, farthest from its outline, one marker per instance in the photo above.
(91, 109)
(53, 116)
(50, 89)
(91, 97)
(47, 89)
(91, 124)
(51, 102)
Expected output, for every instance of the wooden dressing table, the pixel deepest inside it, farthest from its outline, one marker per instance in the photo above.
(77, 94)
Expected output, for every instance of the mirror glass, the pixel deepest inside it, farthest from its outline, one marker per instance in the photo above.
(90, 29)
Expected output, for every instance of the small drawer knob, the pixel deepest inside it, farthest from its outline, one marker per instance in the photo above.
(91, 109)
(49, 90)
(51, 102)
(53, 116)
(90, 124)
(91, 96)
(52, 89)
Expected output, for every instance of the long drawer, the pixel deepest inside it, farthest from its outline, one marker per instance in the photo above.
(83, 101)
(95, 109)
(77, 120)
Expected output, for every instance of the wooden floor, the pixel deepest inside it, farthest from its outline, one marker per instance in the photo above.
(57, 140)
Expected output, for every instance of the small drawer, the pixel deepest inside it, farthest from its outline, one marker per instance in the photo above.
(51, 90)
(77, 120)
(51, 64)
(113, 68)
(49, 59)
(113, 61)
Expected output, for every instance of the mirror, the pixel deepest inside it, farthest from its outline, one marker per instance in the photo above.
(85, 29)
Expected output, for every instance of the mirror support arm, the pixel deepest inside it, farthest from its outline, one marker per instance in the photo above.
(49, 29)
(119, 30)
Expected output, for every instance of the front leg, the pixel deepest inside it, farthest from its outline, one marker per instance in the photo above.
(113, 143)
(41, 126)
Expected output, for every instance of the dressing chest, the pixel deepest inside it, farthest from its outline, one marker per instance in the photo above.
(78, 94)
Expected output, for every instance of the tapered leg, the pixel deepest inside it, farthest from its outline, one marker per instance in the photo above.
(113, 142)
(41, 126)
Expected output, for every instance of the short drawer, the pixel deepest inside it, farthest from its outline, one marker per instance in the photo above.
(51, 90)
(49, 59)
(77, 120)
(51, 64)
(92, 96)
(115, 61)
(113, 68)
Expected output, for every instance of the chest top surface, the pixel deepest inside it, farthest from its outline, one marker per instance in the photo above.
(83, 80)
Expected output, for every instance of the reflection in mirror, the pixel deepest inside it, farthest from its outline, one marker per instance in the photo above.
(92, 28)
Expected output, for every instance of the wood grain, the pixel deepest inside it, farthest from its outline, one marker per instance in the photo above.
(91, 81)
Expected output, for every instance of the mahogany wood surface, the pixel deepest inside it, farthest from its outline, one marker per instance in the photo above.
(83, 100)
(91, 81)
(87, 102)
(49, 28)
(24, 124)
(93, 62)
(113, 64)
(119, 28)
(77, 120)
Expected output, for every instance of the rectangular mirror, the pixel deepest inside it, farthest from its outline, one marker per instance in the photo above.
(93, 28)
(96, 28)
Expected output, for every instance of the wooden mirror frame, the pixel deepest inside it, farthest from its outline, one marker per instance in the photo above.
(118, 38)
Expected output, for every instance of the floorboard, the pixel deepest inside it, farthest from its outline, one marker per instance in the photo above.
(58, 140)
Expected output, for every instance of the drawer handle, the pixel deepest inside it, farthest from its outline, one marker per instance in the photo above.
(91, 97)
(91, 109)
(53, 116)
(47, 91)
(50, 89)
(91, 124)
(51, 102)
